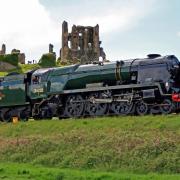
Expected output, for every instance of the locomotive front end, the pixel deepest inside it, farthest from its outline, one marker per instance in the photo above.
(175, 78)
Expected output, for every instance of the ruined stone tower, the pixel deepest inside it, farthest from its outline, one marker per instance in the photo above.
(81, 44)
(3, 50)
(51, 48)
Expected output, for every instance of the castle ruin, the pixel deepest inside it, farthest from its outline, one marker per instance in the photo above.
(81, 44)
(21, 56)
(3, 50)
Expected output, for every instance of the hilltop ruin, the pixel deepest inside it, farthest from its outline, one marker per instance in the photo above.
(82, 43)
(21, 56)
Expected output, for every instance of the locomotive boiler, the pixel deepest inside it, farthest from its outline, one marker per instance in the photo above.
(135, 86)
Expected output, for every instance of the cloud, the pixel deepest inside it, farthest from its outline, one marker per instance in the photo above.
(178, 33)
(26, 25)
(30, 25)
(119, 17)
(114, 15)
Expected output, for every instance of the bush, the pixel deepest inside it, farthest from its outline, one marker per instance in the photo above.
(48, 60)
(10, 58)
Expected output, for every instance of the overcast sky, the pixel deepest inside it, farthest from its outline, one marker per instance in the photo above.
(128, 28)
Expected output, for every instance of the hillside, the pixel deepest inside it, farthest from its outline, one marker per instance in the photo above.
(22, 68)
(101, 147)
(14, 63)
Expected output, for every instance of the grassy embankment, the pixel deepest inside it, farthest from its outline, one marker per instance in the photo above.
(102, 148)
(46, 60)
(22, 68)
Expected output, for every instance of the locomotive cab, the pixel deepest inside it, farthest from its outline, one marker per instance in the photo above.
(38, 85)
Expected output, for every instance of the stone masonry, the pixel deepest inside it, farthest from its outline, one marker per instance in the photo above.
(3, 50)
(82, 43)
(21, 56)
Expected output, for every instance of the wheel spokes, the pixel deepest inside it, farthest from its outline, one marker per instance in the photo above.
(93, 108)
(121, 108)
(167, 107)
(74, 106)
(142, 108)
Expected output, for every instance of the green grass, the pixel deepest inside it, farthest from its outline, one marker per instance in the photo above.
(137, 145)
(13, 171)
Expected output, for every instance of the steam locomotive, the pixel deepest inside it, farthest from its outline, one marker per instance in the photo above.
(135, 86)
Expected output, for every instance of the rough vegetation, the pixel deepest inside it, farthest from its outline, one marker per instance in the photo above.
(21, 68)
(117, 144)
(48, 60)
(10, 58)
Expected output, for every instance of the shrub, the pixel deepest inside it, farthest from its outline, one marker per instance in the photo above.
(48, 60)
(10, 58)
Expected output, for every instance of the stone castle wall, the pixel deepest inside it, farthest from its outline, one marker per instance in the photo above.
(81, 43)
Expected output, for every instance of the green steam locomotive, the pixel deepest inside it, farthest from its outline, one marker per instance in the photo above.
(135, 86)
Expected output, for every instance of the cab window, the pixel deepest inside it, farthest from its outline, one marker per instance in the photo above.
(36, 79)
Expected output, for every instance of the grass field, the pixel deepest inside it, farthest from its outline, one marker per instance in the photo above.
(100, 148)
(24, 171)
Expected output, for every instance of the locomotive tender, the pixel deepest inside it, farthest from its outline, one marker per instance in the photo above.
(135, 86)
